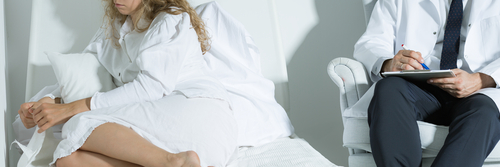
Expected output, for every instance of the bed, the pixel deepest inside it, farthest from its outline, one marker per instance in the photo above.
(61, 26)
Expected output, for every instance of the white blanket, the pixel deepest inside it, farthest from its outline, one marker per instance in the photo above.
(283, 152)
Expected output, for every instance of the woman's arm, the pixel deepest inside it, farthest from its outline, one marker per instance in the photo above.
(26, 109)
(161, 57)
(46, 115)
(56, 100)
(159, 61)
(50, 103)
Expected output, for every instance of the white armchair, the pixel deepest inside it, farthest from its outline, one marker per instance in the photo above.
(355, 95)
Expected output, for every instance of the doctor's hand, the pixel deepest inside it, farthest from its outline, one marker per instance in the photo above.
(464, 84)
(46, 115)
(26, 109)
(404, 60)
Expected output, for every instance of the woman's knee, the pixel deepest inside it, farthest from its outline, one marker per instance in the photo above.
(71, 160)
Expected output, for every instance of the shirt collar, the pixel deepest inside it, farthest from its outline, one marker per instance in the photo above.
(128, 27)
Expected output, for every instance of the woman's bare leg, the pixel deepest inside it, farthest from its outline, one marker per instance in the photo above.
(119, 142)
(82, 158)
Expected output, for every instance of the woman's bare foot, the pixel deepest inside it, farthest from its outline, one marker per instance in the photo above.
(183, 159)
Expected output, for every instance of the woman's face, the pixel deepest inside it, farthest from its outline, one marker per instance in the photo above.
(127, 7)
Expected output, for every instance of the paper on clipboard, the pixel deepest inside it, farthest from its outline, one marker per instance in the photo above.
(420, 75)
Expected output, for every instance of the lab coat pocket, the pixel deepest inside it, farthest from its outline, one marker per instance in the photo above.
(39, 151)
(490, 38)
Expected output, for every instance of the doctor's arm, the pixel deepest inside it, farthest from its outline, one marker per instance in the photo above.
(464, 84)
(403, 60)
(376, 47)
(487, 74)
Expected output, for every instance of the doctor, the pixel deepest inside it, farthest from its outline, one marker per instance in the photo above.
(461, 35)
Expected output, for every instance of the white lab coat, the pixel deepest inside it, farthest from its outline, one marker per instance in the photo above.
(413, 23)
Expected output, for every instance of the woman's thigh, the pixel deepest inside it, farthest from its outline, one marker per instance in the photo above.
(174, 123)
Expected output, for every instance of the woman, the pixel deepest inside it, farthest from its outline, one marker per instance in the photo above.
(166, 111)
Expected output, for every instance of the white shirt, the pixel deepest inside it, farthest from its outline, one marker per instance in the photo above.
(435, 59)
(162, 60)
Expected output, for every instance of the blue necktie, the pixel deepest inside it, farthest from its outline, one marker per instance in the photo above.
(451, 43)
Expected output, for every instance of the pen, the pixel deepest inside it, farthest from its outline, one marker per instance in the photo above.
(423, 65)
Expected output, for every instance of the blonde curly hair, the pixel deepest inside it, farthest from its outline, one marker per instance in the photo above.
(150, 9)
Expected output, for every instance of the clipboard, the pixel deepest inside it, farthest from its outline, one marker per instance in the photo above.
(420, 75)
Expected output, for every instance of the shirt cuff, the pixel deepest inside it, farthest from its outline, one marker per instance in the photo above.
(93, 100)
(377, 68)
(50, 95)
(496, 82)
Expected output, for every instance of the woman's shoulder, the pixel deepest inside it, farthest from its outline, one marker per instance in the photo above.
(167, 27)
(167, 19)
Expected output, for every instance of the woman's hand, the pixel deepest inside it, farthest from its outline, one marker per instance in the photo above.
(26, 109)
(46, 115)
(464, 84)
(404, 60)
(25, 115)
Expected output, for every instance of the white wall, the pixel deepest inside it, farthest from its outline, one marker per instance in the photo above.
(314, 98)
(3, 104)
(17, 26)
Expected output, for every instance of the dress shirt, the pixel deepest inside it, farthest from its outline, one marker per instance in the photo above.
(435, 57)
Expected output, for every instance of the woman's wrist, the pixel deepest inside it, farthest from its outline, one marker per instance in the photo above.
(50, 100)
(79, 106)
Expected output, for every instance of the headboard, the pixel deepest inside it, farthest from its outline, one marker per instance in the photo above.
(68, 26)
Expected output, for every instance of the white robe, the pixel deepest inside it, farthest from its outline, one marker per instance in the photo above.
(164, 93)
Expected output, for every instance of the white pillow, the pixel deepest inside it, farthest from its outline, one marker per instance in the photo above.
(234, 60)
(80, 75)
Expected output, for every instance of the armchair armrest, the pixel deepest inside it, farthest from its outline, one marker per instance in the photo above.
(351, 78)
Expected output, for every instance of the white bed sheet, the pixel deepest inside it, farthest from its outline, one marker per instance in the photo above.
(283, 152)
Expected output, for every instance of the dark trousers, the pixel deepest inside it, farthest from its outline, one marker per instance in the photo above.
(474, 124)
